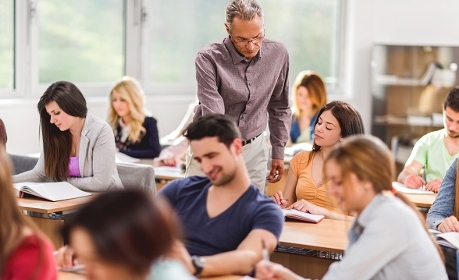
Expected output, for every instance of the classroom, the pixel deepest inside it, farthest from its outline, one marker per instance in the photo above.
(393, 62)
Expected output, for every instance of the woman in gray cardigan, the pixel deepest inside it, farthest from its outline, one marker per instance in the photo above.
(77, 147)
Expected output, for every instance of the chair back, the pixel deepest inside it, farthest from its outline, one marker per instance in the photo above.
(22, 163)
(139, 176)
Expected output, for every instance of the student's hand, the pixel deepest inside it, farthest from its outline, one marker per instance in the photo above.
(180, 253)
(306, 206)
(65, 257)
(278, 197)
(277, 169)
(164, 162)
(449, 224)
(434, 185)
(414, 182)
(266, 270)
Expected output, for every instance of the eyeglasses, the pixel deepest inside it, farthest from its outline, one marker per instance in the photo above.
(256, 41)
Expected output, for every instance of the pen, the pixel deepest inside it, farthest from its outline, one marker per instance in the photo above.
(264, 251)
(415, 173)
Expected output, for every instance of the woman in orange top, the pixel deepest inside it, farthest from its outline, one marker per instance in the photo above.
(306, 186)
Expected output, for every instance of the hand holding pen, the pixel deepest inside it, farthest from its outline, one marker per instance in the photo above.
(266, 270)
(278, 197)
(414, 181)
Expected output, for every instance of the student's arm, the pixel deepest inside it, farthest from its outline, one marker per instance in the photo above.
(416, 161)
(410, 175)
(287, 197)
(306, 206)
(37, 174)
(237, 262)
(443, 206)
(242, 260)
(170, 155)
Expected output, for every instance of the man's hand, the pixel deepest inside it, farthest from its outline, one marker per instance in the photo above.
(414, 182)
(277, 169)
(449, 224)
(180, 253)
(434, 185)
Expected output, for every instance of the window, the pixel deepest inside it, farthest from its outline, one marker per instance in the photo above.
(6, 44)
(94, 42)
(309, 28)
(311, 31)
(81, 41)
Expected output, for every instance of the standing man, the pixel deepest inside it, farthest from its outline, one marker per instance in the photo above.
(246, 78)
(436, 150)
(226, 220)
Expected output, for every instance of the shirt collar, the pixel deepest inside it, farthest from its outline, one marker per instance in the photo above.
(236, 56)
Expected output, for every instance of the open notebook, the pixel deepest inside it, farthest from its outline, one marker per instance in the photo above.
(53, 191)
(404, 189)
(303, 216)
(448, 239)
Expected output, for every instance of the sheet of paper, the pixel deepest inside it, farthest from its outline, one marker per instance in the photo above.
(403, 189)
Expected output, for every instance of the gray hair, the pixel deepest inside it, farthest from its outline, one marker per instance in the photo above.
(245, 9)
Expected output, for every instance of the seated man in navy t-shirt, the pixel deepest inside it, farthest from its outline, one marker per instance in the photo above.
(225, 218)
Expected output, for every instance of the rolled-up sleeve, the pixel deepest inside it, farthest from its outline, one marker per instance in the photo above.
(443, 205)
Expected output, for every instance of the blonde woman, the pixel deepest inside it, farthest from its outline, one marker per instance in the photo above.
(388, 238)
(25, 253)
(136, 134)
(309, 95)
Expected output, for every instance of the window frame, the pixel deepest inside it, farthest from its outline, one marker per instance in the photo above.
(137, 42)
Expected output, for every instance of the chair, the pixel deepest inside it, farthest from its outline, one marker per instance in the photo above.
(22, 163)
(140, 176)
(132, 175)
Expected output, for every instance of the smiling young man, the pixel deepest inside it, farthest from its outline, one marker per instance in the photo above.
(435, 151)
(225, 218)
(245, 77)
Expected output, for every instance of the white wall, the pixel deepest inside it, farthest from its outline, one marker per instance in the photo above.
(404, 22)
(22, 120)
(409, 22)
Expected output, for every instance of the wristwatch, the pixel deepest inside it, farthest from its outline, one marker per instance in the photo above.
(198, 263)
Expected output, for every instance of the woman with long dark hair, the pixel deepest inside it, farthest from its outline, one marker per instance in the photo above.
(77, 147)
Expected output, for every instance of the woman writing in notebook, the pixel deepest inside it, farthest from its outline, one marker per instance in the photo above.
(25, 252)
(388, 238)
(77, 147)
(309, 95)
(306, 186)
(136, 133)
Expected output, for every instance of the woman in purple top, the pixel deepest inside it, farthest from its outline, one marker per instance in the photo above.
(77, 147)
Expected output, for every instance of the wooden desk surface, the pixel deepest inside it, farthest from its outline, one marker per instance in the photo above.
(327, 235)
(168, 173)
(422, 200)
(74, 276)
(45, 206)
